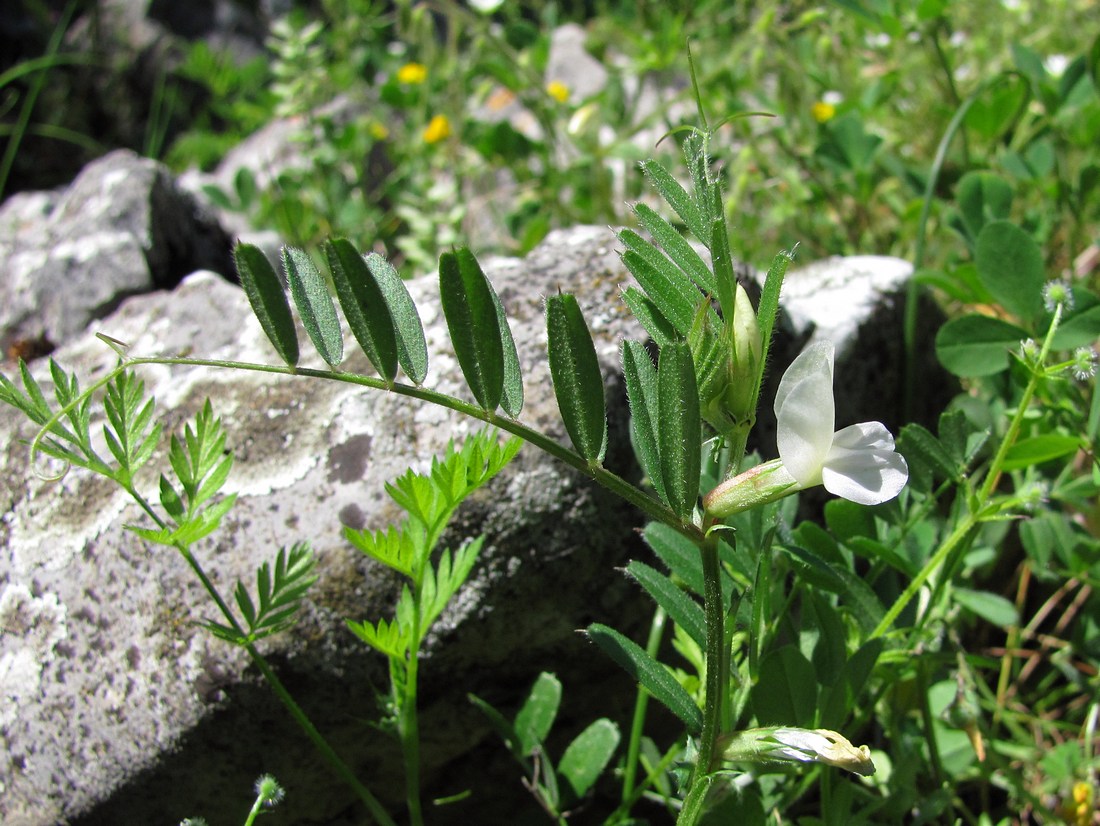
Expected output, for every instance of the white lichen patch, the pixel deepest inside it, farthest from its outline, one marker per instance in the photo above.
(30, 628)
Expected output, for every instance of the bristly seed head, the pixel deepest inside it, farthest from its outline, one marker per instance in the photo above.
(1057, 293)
(1084, 363)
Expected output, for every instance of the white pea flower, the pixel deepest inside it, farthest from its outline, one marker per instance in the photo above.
(857, 462)
(800, 745)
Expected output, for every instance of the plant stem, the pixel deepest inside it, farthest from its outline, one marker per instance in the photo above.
(641, 703)
(716, 646)
(410, 722)
(980, 511)
(616, 484)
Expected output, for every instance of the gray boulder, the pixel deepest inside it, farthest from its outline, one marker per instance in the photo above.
(117, 708)
(121, 228)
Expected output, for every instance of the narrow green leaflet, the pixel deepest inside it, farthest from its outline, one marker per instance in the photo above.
(588, 755)
(500, 725)
(641, 392)
(677, 198)
(679, 554)
(660, 329)
(674, 293)
(578, 383)
(364, 306)
(680, 428)
(918, 444)
(768, 310)
(677, 248)
(472, 321)
(311, 297)
(650, 673)
(722, 259)
(512, 396)
(857, 596)
(412, 349)
(536, 717)
(265, 293)
(1038, 449)
(684, 611)
(992, 608)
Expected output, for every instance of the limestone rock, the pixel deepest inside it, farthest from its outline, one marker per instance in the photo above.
(119, 709)
(120, 229)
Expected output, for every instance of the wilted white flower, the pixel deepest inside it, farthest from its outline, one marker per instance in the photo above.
(782, 743)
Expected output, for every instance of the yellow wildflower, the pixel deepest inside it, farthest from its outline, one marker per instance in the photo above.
(412, 74)
(1078, 809)
(438, 129)
(379, 131)
(558, 91)
(823, 111)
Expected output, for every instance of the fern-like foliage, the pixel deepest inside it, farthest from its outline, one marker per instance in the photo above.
(66, 430)
(430, 501)
(201, 465)
(279, 592)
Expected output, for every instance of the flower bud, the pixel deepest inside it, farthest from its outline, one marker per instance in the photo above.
(782, 744)
(746, 347)
(756, 486)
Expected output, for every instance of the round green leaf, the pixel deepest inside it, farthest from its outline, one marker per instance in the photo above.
(977, 345)
(1010, 265)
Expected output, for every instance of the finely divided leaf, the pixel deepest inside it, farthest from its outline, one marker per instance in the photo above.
(412, 349)
(268, 299)
(364, 306)
(472, 321)
(578, 384)
(311, 297)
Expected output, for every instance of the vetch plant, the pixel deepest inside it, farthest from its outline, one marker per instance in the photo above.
(857, 463)
(790, 637)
